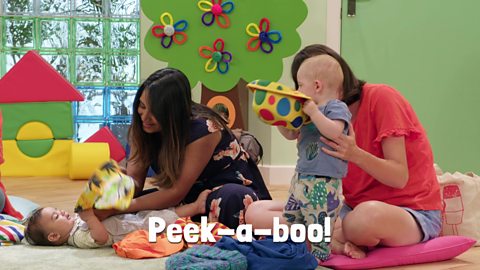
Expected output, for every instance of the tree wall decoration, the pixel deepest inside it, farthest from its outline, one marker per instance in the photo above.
(257, 35)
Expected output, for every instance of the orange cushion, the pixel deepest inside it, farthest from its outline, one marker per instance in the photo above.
(136, 246)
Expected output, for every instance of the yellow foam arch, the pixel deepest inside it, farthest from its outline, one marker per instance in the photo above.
(34, 131)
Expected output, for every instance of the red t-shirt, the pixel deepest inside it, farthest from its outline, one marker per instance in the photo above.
(383, 112)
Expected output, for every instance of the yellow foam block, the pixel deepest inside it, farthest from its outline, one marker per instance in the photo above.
(85, 158)
(34, 131)
(54, 163)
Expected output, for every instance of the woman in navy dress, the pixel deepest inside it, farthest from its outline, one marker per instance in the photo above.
(191, 149)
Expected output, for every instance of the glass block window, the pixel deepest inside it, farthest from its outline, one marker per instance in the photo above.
(92, 43)
(110, 106)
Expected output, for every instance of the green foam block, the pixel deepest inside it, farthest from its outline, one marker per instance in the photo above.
(57, 115)
(35, 148)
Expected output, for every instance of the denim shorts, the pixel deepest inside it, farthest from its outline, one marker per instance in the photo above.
(430, 221)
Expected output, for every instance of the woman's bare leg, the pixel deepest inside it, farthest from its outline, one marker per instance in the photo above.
(375, 223)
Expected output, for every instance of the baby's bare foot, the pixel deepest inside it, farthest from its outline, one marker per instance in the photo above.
(202, 201)
(247, 201)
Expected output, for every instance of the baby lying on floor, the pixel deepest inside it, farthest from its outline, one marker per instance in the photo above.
(49, 226)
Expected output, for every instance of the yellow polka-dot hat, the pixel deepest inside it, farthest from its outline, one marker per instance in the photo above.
(278, 105)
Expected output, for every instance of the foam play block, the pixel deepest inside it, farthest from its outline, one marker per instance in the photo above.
(54, 163)
(35, 148)
(58, 116)
(85, 158)
(104, 134)
(34, 131)
(33, 79)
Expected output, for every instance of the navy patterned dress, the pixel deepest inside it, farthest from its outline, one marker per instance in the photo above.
(232, 176)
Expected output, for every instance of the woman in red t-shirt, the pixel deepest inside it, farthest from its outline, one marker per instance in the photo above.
(392, 196)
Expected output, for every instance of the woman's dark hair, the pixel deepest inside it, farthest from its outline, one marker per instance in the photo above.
(352, 87)
(170, 101)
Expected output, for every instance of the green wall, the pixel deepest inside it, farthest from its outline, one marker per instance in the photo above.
(430, 51)
(427, 49)
(277, 150)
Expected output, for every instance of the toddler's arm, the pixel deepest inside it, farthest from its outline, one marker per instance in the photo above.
(327, 127)
(97, 229)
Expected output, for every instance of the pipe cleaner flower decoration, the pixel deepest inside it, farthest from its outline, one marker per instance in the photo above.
(170, 31)
(216, 12)
(217, 57)
(262, 37)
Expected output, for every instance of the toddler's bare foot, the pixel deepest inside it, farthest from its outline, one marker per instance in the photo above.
(201, 201)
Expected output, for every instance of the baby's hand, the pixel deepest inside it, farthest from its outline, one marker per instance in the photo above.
(104, 214)
(86, 214)
(309, 107)
(202, 201)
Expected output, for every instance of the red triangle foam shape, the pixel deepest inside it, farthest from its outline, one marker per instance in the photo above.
(33, 79)
(104, 134)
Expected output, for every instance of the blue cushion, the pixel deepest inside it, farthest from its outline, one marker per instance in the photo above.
(22, 205)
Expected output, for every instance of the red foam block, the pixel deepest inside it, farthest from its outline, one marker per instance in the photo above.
(33, 79)
(104, 134)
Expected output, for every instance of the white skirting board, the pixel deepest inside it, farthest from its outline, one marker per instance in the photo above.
(277, 175)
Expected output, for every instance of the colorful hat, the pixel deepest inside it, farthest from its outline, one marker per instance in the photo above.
(278, 105)
(107, 188)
